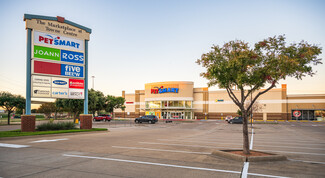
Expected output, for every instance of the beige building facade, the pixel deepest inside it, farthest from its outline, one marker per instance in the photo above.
(180, 100)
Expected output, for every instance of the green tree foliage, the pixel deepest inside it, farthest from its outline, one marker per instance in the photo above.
(74, 106)
(10, 102)
(113, 102)
(235, 64)
(96, 101)
(47, 109)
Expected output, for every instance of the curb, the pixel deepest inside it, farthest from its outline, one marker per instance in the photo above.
(236, 157)
(50, 135)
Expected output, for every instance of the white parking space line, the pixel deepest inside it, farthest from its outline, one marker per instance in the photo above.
(242, 144)
(154, 143)
(169, 165)
(54, 140)
(13, 145)
(172, 144)
(314, 162)
(175, 151)
(245, 170)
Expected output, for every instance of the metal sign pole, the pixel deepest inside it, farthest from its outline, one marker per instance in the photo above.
(86, 78)
(28, 72)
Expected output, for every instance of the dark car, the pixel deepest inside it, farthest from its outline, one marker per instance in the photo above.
(102, 118)
(151, 119)
(236, 120)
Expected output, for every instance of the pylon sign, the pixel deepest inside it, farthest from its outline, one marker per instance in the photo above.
(57, 59)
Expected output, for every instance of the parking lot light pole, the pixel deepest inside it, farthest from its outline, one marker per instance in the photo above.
(251, 109)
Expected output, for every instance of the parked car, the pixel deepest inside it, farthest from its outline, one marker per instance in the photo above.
(102, 118)
(151, 119)
(236, 120)
(228, 118)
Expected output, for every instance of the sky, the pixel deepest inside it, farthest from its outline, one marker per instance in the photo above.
(134, 42)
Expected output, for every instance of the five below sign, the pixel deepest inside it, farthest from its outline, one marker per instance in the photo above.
(40, 67)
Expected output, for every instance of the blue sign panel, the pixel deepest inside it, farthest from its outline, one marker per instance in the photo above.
(72, 70)
(71, 56)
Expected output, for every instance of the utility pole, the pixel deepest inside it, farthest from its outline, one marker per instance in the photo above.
(93, 77)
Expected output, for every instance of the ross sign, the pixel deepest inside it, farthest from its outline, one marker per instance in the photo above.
(76, 83)
(72, 70)
(41, 92)
(296, 113)
(52, 40)
(71, 56)
(41, 81)
(60, 93)
(159, 90)
(42, 52)
(60, 82)
(76, 93)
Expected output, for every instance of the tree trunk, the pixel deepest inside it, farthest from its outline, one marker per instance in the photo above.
(9, 118)
(245, 134)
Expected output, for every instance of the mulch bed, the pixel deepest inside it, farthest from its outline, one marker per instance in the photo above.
(252, 153)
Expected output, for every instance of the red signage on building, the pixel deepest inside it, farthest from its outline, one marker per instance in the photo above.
(76, 83)
(296, 113)
(47, 68)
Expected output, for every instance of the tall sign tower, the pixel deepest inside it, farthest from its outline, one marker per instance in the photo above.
(57, 59)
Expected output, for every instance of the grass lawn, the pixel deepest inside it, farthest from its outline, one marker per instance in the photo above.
(18, 133)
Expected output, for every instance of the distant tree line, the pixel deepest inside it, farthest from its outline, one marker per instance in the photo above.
(97, 102)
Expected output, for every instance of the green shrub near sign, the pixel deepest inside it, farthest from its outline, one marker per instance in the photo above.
(46, 53)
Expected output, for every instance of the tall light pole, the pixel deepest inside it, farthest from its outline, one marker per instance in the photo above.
(93, 77)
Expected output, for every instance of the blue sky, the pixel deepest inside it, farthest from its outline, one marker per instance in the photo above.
(136, 42)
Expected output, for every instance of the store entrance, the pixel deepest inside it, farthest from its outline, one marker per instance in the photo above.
(173, 115)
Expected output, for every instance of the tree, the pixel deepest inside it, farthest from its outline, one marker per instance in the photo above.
(75, 106)
(96, 101)
(113, 102)
(9, 102)
(235, 64)
(47, 109)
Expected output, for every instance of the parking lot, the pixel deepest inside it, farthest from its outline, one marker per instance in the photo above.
(178, 149)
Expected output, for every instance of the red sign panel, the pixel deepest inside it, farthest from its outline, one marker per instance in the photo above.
(47, 68)
(296, 113)
(76, 83)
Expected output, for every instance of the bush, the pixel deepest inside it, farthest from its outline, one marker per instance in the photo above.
(56, 126)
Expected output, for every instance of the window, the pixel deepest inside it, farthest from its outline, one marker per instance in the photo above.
(153, 104)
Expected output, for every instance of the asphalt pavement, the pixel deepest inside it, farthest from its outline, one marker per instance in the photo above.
(175, 149)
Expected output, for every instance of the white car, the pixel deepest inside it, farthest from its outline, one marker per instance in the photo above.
(228, 118)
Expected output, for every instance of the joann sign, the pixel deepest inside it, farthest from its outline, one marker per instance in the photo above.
(57, 57)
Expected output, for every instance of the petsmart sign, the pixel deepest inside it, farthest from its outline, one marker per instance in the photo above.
(61, 42)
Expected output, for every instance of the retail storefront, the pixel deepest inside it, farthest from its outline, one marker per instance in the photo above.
(180, 100)
(169, 100)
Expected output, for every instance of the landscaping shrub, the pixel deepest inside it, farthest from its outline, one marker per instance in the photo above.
(56, 126)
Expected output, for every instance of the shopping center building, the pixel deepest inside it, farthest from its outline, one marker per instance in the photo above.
(180, 100)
